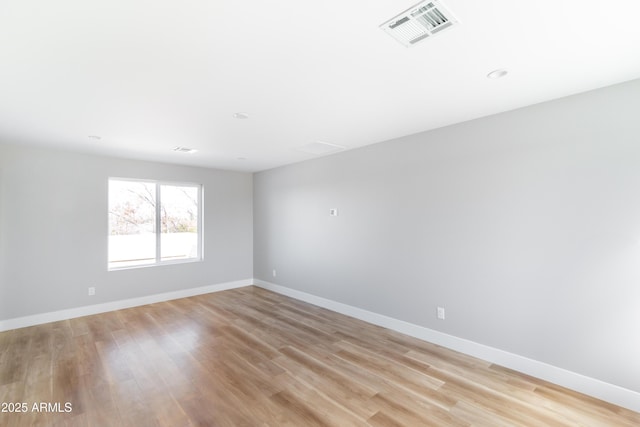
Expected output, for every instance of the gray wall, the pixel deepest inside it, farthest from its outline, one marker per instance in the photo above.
(53, 231)
(525, 226)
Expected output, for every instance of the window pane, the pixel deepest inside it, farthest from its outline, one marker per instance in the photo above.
(179, 222)
(132, 223)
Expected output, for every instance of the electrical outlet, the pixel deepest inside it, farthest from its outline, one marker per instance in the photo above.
(333, 212)
(274, 272)
(441, 313)
(92, 291)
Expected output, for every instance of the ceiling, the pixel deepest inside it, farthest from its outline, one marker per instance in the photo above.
(149, 75)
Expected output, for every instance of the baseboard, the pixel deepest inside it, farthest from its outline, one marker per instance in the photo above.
(574, 381)
(54, 316)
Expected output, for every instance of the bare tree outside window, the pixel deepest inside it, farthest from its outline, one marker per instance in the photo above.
(179, 222)
(152, 222)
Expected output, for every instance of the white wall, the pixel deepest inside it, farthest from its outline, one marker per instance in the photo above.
(53, 231)
(525, 226)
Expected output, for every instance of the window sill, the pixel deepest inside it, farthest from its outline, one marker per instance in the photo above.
(155, 264)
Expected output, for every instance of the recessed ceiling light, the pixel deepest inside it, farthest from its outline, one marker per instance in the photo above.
(95, 137)
(241, 115)
(185, 150)
(497, 74)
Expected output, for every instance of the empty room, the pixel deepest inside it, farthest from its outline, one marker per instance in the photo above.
(369, 213)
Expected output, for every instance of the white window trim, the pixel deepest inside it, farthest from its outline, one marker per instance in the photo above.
(158, 261)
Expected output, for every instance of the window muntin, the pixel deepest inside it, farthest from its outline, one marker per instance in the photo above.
(153, 223)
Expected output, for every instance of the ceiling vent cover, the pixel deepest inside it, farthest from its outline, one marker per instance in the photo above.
(419, 22)
(185, 150)
(319, 148)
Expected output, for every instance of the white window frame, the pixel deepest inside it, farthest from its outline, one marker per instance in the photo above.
(158, 229)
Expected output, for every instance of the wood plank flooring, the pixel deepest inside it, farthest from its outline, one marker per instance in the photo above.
(249, 357)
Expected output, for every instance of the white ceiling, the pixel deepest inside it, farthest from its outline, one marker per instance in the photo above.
(149, 75)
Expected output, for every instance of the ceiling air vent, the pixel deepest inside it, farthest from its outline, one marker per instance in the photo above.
(185, 150)
(318, 148)
(419, 22)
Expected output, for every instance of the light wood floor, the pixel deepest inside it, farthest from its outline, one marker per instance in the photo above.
(249, 357)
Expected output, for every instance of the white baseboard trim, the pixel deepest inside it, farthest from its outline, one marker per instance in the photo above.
(54, 316)
(593, 387)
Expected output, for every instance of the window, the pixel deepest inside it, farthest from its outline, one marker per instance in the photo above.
(153, 223)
